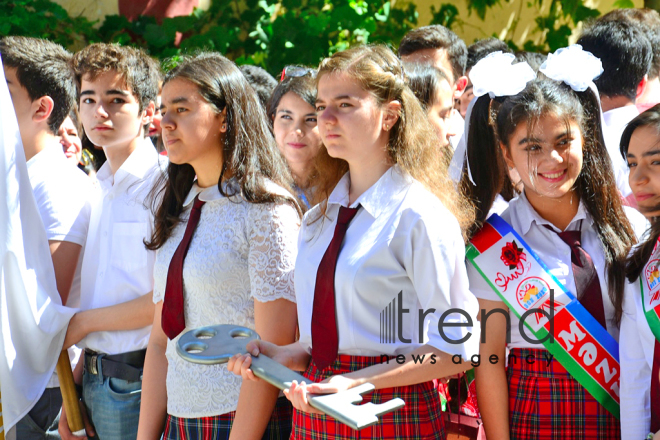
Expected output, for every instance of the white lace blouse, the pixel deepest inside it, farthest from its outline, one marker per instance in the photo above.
(240, 252)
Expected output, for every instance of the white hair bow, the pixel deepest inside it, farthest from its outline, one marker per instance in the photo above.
(574, 66)
(496, 75)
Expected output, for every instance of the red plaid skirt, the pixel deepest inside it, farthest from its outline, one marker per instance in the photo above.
(219, 427)
(420, 419)
(546, 403)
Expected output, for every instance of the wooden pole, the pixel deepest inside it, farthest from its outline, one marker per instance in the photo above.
(69, 395)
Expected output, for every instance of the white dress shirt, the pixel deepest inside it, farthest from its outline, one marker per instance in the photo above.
(240, 252)
(616, 121)
(64, 196)
(117, 267)
(636, 357)
(556, 254)
(403, 239)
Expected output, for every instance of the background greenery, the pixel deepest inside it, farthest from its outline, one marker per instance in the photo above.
(273, 34)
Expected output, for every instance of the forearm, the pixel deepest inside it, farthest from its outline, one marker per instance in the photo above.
(391, 374)
(255, 406)
(130, 315)
(493, 399)
(153, 407)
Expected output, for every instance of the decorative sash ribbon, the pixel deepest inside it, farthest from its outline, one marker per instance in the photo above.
(567, 330)
(650, 284)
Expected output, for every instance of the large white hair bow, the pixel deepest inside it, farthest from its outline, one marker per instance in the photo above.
(574, 66)
(496, 75)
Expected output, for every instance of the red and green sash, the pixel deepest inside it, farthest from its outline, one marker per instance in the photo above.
(550, 312)
(650, 284)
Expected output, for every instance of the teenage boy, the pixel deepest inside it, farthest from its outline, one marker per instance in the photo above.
(118, 88)
(627, 55)
(42, 90)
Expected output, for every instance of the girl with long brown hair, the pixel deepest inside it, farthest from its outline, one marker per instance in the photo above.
(570, 215)
(225, 231)
(388, 229)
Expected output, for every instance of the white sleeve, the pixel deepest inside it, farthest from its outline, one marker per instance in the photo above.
(272, 236)
(635, 373)
(437, 271)
(65, 208)
(479, 286)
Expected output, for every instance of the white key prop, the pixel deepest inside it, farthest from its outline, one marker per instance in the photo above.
(217, 344)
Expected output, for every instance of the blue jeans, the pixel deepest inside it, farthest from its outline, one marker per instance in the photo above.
(41, 422)
(113, 405)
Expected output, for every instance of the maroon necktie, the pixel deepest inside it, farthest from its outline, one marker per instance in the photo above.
(173, 319)
(655, 389)
(325, 339)
(587, 285)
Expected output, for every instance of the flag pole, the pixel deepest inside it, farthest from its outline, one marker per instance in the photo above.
(69, 395)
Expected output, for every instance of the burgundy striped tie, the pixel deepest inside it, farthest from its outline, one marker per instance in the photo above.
(173, 319)
(325, 339)
(655, 389)
(587, 285)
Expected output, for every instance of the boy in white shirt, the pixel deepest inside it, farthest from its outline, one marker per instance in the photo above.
(43, 91)
(118, 89)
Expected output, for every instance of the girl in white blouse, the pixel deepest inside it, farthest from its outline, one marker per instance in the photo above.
(239, 265)
(403, 251)
(552, 135)
(639, 351)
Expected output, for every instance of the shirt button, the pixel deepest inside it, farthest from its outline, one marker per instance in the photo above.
(105, 233)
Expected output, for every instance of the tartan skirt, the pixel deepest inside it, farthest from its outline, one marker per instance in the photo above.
(420, 419)
(547, 403)
(219, 427)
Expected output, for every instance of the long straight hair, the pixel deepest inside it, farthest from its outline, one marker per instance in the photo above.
(249, 153)
(595, 185)
(642, 253)
(412, 143)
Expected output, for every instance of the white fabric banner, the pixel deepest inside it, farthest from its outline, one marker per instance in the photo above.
(32, 318)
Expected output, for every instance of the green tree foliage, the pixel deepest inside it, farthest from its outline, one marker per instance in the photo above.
(268, 33)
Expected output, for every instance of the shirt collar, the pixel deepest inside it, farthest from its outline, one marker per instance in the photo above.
(529, 215)
(140, 162)
(620, 116)
(51, 152)
(377, 197)
(208, 194)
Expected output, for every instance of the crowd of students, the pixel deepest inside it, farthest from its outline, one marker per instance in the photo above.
(303, 208)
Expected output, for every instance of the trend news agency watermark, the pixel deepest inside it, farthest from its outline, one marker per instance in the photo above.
(391, 330)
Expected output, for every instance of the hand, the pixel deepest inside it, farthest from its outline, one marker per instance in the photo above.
(75, 332)
(63, 426)
(445, 380)
(298, 393)
(239, 364)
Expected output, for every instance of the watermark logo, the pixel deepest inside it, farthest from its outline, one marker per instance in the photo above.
(388, 320)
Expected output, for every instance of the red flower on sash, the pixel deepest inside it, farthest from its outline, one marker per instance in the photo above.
(512, 255)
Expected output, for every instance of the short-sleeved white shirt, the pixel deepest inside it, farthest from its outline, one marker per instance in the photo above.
(556, 254)
(117, 267)
(240, 252)
(403, 239)
(64, 197)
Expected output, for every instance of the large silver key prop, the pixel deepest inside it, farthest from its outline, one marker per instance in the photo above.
(217, 344)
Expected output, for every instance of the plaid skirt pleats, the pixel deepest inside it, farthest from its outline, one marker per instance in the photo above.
(420, 419)
(219, 427)
(547, 403)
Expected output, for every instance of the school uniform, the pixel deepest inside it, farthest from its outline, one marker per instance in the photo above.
(239, 252)
(402, 250)
(545, 401)
(636, 352)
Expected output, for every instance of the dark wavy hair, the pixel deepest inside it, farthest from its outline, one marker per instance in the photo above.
(494, 122)
(250, 155)
(641, 255)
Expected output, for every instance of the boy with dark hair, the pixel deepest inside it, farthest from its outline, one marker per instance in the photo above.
(626, 55)
(118, 88)
(649, 20)
(43, 92)
(441, 47)
(261, 81)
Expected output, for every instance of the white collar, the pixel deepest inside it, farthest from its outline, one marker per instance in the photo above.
(529, 215)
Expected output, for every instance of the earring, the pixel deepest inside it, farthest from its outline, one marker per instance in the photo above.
(386, 127)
